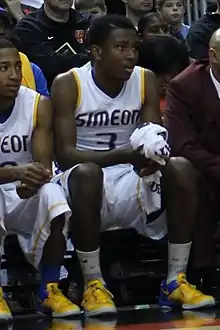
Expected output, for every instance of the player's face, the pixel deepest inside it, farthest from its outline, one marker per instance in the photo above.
(119, 55)
(61, 5)
(173, 11)
(10, 72)
(141, 6)
(156, 26)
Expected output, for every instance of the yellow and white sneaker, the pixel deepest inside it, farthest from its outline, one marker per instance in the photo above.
(5, 313)
(97, 300)
(180, 292)
(57, 304)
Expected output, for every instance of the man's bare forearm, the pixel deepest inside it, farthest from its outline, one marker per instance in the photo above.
(72, 157)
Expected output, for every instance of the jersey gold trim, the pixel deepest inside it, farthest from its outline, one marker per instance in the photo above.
(143, 86)
(36, 104)
(79, 96)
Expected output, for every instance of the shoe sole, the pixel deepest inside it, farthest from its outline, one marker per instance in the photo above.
(101, 311)
(69, 313)
(6, 317)
(203, 304)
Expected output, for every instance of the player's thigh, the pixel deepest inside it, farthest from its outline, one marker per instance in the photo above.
(108, 201)
(21, 217)
(62, 179)
(131, 195)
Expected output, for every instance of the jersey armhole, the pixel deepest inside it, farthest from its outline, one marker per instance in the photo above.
(143, 87)
(36, 104)
(79, 91)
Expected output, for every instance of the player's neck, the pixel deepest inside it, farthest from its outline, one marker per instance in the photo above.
(6, 105)
(111, 87)
(60, 17)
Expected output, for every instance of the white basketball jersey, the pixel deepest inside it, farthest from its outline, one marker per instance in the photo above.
(16, 132)
(103, 122)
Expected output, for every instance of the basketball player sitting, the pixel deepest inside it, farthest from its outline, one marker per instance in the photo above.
(40, 218)
(97, 108)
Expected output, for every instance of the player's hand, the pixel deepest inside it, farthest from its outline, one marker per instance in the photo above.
(151, 168)
(138, 160)
(34, 175)
(25, 192)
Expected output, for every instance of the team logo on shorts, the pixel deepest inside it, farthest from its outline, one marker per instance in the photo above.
(79, 35)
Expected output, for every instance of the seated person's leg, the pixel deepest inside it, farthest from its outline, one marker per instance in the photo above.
(85, 185)
(5, 313)
(42, 224)
(181, 191)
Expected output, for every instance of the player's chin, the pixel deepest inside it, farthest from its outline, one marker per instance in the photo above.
(126, 75)
(11, 93)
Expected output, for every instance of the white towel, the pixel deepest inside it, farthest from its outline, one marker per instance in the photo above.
(151, 141)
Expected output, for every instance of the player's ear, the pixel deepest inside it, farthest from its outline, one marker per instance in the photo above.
(96, 52)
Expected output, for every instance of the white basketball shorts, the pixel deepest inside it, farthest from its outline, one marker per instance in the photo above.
(31, 218)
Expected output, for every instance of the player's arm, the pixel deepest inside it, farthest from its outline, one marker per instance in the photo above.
(64, 96)
(150, 111)
(41, 147)
(34, 175)
(42, 138)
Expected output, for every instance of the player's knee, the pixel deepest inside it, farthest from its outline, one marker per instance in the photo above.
(86, 178)
(183, 173)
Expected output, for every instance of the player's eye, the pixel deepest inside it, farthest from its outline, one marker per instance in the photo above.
(3, 68)
(120, 48)
(18, 67)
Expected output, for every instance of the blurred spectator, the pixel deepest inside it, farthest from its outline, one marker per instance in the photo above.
(166, 57)
(32, 3)
(201, 31)
(173, 13)
(115, 7)
(135, 9)
(14, 6)
(192, 117)
(52, 37)
(32, 76)
(96, 8)
(151, 23)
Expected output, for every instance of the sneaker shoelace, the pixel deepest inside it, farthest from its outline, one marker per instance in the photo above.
(56, 293)
(100, 293)
(190, 286)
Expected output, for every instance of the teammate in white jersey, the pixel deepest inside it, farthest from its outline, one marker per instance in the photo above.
(40, 217)
(97, 108)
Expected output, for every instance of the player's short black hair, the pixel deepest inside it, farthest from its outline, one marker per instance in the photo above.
(5, 43)
(146, 20)
(101, 28)
(162, 53)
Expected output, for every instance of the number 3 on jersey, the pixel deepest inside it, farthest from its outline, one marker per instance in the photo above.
(112, 139)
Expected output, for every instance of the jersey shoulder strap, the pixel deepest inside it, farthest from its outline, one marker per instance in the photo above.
(27, 73)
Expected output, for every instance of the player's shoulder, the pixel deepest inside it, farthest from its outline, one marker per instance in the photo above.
(140, 71)
(26, 94)
(69, 77)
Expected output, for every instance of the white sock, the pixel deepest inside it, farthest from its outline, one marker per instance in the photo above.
(178, 256)
(90, 265)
